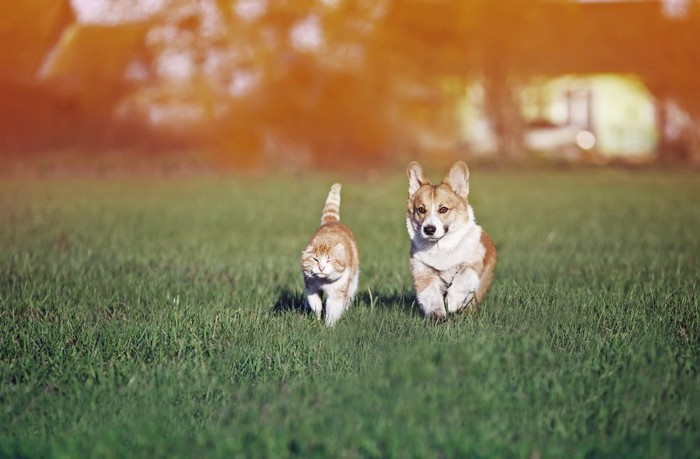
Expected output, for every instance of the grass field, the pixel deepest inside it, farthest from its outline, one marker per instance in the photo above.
(162, 317)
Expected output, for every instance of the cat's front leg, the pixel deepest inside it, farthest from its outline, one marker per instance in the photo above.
(314, 301)
(338, 298)
(352, 289)
(335, 307)
(462, 291)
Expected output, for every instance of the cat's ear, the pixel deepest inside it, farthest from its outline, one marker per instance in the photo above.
(416, 178)
(338, 250)
(458, 179)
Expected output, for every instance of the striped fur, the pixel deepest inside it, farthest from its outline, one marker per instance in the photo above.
(331, 211)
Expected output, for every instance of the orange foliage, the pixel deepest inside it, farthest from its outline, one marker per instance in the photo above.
(329, 83)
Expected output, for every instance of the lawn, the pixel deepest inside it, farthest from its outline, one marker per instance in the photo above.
(162, 317)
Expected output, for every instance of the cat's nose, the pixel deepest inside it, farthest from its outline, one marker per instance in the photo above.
(429, 230)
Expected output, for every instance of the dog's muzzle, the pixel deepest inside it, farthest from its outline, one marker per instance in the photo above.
(432, 228)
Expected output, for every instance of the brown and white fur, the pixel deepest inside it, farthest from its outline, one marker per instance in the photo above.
(452, 258)
(330, 263)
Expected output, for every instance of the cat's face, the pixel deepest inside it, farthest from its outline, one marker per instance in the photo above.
(323, 262)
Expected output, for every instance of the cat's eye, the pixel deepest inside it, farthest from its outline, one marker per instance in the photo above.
(421, 210)
(443, 210)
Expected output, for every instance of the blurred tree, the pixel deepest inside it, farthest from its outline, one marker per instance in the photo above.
(678, 74)
(332, 82)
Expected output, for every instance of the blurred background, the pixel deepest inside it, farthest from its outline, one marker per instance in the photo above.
(352, 83)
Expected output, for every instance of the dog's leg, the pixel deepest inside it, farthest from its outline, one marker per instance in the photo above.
(429, 290)
(431, 302)
(462, 293)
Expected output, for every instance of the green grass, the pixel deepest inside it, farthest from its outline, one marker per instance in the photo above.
(161, 317)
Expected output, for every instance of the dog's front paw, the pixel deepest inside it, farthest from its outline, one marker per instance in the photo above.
(437, 314)
(457, 302)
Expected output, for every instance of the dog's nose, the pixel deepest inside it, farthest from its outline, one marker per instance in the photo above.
(429, 230)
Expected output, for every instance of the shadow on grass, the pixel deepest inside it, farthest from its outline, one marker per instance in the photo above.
(403, 300)
(289, 300)
(294, 301)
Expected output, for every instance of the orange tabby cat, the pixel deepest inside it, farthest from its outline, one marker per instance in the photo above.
(330, 263)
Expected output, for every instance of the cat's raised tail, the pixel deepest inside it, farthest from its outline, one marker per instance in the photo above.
(331, 211)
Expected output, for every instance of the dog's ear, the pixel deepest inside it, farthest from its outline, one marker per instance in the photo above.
(416, 179)
(458, 179)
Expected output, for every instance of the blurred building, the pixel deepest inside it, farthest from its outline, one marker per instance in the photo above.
(573, 118)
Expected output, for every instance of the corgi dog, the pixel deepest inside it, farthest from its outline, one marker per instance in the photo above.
(452, 258)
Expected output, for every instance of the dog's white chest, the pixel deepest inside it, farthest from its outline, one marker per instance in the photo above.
(453, 252)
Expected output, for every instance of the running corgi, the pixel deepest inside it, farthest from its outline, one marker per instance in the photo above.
(452, 258)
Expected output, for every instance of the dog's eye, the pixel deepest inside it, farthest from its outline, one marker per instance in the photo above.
(443, 210)
(421, 210)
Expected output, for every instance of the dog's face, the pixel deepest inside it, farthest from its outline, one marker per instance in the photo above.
(435, 210)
